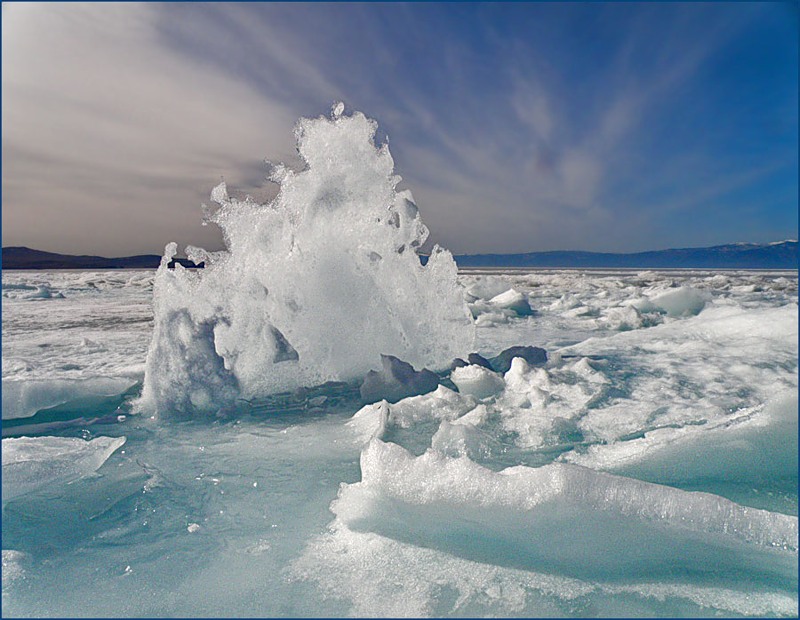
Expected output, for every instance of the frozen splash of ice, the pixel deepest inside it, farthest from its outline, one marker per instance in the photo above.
(313, 287)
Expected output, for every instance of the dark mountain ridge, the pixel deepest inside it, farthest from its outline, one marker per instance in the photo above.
(19, 257)
(777, 255)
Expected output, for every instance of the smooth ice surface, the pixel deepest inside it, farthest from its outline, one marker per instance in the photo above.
(313, 287)
(647, 467)
(33, 463)
(732, 449)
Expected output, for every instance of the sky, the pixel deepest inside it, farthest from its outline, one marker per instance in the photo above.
(616, 127)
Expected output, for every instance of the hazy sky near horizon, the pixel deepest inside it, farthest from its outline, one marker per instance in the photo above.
(518, 127)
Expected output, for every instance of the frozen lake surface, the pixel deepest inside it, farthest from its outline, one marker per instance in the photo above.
(649, 467)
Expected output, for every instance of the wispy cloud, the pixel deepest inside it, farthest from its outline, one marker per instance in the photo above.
(517, 127)
(108, 135)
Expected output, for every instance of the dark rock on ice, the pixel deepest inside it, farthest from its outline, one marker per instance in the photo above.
(458, 363)
(533, 355)
(397, 380)
(475, 359)
(478, 360)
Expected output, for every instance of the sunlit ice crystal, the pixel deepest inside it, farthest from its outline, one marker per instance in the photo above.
(313, 286)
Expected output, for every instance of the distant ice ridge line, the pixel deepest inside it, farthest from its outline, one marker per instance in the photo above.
(313, 287)
(776, 255)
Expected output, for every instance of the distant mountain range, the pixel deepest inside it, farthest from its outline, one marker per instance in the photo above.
(777, 255)
(26, 258)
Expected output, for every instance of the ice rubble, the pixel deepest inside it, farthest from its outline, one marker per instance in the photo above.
(500, 308)
(660, 404)
(81, 352)
(313, 286)
(443, 404)
(666, 431)
(34, 463)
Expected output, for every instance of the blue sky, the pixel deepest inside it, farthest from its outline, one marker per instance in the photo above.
(518, 127)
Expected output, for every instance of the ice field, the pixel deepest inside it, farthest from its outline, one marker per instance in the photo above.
(230, 442)
(558, 489)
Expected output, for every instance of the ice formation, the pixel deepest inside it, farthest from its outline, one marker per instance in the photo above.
(437, 536)
(313, 286)
(515, 516)
(22, 399)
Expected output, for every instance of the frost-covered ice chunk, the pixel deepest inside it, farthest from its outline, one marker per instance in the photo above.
(33, 463)
(513, 300)
(625, 318)
(590, 370)
(500, 308)
(442, 404)
(684, 301)
(580, 311)
(476, 380)
(562, 517)
(191, 375)
(459, 438)
(370, 421)
(489, 318)
(486, 287)
(313, 287)
(43, 292)
(396, 380)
